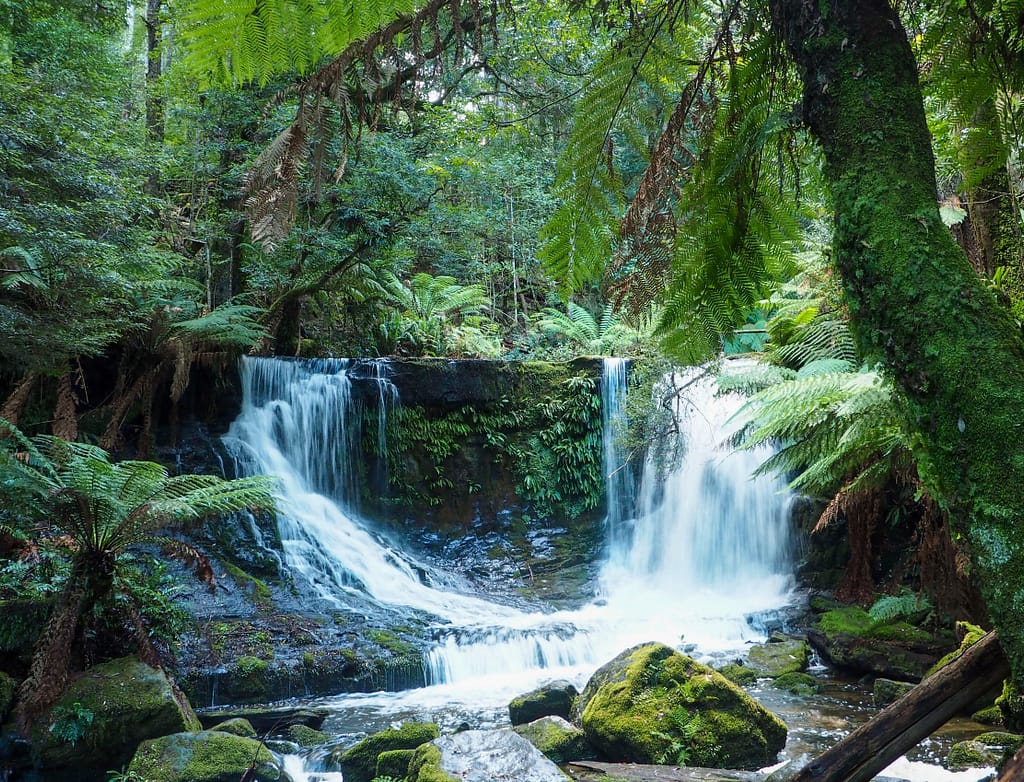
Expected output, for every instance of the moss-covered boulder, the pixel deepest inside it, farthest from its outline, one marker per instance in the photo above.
(738, 674)
(557, 738)
(779, 656)
(971, 754)
(104, 715)
(482, 756)
(990, 715)
(207, 756)
(849, 638)
(796, 683)
(885, 691)
(267, 720)
(237, 727)
(359, 764)
(1011, 706)
(1001, 740)
(554, 699)
(394, 763)
(651, 704)
(306, 737)
(7, 687)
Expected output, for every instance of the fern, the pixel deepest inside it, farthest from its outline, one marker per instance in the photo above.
(905, 604)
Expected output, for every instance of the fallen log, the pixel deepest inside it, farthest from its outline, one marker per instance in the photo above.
(587, 770)
(897, 728)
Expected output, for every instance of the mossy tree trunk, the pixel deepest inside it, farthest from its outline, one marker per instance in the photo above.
(916, 303)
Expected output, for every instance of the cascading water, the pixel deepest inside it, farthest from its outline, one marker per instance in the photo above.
(697, 554)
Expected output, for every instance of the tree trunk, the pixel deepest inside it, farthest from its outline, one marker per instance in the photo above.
(916, 304)
(154, 98)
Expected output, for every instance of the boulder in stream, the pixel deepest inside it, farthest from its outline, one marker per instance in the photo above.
(207, 756)
(359, 763)
(779, 656)
(652, 704)
(554, 699)
(103, 716)
(482, 756)
(557, 738)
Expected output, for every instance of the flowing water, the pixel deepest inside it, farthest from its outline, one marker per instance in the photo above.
(696, 558)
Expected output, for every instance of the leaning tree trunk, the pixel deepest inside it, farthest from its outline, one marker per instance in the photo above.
(916, 303)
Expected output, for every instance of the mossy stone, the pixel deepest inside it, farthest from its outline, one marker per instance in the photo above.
(207, 756)
(997, 738)
(641, 705)
(970, 754)
(886, 691)
(796, 682)
(237, 727)
(738, 674)
(7, 687)
(128, 702)
(557, 738)
(1011, 705)
(394, 763)
(991, 715)
(425, 766)
(776, 658)
(553, 699)
(359, 764)
(306, 737)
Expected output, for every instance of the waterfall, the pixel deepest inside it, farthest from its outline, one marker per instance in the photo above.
(695, 554)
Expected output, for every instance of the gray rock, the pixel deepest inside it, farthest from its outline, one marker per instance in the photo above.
(886, 691)
(487, 755)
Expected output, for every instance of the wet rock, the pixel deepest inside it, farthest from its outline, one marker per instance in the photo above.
(554, 699)
(886, 691)
(1011, 706)
(653, 705)
(482, 756)
(238, 727)
(1001, 740)
(990, 715)
(306, 737)
(359, 764)
(849, 638)
(970, 754)
(778, 657)
(796, 683)
(268, 720)
(7, 687)
(557, 738)
(207, 756)
(104, 715)
(738, 674)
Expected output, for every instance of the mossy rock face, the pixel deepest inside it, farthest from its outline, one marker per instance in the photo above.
(970, 754)
(425, 766)
(651, 702)
(237, 727)
(552, 700)
(886, 691)
(394, 763)
(1011, 706)
(992, 715)
(849, 638)
(557, 738)
(306, 737)
(207, 756)
(775, 658)
(738, 674)
(796, 683)
(112, 708)
(7, 687)
(359, 764)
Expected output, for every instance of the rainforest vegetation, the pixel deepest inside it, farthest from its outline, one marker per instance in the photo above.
(835, 187)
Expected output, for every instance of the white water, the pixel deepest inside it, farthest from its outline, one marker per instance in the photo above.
(708, 548)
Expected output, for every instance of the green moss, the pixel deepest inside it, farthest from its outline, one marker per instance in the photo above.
(359, 764)
(775, 659)
(796, 683)
(390, 641)
(738, 674)
(208, 756)
(258, 590)
(1001, 739)
(556, 738)
(851, 620)
(237, 727)
(634, 713)
(425, 766)
(991, 715)
(970, 754)
(971, 635)
(394, 763)
(1011, 706)
(305, 736)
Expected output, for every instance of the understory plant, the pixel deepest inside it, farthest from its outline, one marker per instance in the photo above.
(97, 511)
